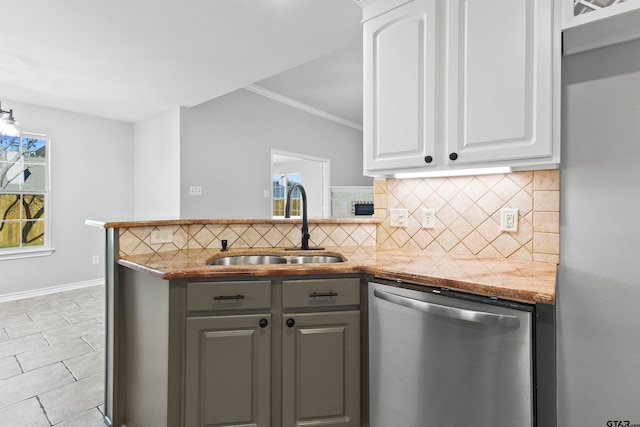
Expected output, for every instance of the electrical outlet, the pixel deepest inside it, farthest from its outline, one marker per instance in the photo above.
(509, 219)
(267, 194)
(195, 191)
(398, 217)
(159, 237)
(428, 218)
(95, 259)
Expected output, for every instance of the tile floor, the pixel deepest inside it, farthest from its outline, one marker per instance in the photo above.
(52, 360)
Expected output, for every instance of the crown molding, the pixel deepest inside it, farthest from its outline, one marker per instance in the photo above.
(300, 106)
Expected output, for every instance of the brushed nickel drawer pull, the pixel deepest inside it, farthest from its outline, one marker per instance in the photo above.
(325, 294)
(227, 297)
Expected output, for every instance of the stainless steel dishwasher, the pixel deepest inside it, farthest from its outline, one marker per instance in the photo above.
(446, 359)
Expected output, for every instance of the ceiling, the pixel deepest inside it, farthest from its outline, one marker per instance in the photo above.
(129, 60)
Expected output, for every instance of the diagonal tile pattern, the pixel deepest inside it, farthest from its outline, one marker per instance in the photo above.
(137, 240)
(467, 211)
(52, 360)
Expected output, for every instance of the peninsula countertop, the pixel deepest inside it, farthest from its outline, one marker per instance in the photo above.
(524, 281)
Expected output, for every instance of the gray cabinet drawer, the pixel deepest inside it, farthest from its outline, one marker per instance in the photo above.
(221, 296)
(320, 292)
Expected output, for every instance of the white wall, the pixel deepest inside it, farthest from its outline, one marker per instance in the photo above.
(226, 148)
(157, 166)
(599, 276)
(91, 177)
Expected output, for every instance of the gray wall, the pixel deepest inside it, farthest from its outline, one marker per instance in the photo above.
(599, 276)
(91, 177)
(226, 149)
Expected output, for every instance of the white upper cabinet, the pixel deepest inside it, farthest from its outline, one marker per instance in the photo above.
(453, 84)
(400, 97)
(500, 80)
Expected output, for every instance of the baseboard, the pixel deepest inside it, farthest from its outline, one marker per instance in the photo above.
(50, 290)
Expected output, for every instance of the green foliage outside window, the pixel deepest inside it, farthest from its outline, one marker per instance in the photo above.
(22, 191)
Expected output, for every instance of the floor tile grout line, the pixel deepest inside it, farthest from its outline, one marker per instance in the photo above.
(67, 367)
(44, 337)
(89, 344)
(22, 371)
(43, 410)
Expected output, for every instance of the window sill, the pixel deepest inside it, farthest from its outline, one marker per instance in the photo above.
(25, 253)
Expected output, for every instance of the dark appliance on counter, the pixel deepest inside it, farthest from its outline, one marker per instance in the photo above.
(363, 208)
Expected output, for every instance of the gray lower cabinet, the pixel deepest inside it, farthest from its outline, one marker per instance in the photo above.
(221, 353)
(321, 353)
(272, 353)
(321, 369)
(228, 371)
(228, 354)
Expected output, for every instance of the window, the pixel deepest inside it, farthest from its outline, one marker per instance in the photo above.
(281, 185)
(23, 195)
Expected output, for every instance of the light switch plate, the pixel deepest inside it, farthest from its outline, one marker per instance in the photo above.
(398, 217)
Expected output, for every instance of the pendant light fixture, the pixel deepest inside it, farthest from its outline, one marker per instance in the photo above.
(8, 123)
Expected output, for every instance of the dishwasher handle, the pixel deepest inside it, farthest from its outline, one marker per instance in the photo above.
(501, 320)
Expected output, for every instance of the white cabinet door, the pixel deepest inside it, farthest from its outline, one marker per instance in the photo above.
(500, 91)
(400, 97)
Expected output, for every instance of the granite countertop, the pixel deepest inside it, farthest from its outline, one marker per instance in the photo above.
(125, 223)
(524, 281)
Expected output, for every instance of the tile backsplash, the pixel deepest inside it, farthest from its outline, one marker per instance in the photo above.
(467, 211)
(137, 240)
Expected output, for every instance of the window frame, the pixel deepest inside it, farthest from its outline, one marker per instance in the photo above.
(47, 248)
(290, 178)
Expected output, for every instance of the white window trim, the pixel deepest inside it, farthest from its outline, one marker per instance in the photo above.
(26, 253)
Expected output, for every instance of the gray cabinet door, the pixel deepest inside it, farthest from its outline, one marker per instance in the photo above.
(228, 371)
(321, 369)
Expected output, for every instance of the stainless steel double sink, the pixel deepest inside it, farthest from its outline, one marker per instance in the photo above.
(274, 259)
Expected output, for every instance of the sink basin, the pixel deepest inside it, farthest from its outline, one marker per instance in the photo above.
(308, 259)
(249, 260)
(274, 259)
